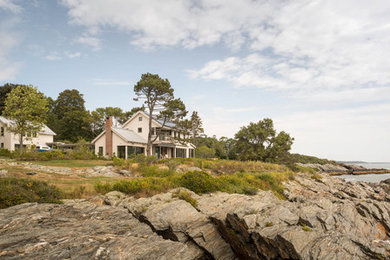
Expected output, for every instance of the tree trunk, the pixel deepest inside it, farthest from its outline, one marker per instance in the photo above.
(21, 143)
(149, 146)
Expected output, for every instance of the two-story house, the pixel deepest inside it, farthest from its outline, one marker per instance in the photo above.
(10, 141)
(131, 138)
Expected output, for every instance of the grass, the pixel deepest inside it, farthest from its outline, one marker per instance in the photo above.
(305, 228)
(186, 196)
(200, 183)
(74, 163)
(227, 176)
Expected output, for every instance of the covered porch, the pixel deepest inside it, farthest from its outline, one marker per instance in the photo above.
(162, 151)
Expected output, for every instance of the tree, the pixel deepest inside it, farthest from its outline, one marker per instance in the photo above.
(196, 125)
(70, 119)
(99, 116)
(258, 141)
(27, 107)
(205, 152)
(4, 91)
(160, 102)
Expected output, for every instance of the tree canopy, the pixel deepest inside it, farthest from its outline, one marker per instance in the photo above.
(160, 103)
(27, 107)
(4, 91)
(258, 141)
(69, 118)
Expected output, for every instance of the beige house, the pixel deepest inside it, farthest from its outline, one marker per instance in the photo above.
(10, 141)
(131, 138)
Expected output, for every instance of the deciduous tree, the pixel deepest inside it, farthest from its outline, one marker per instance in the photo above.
(27, 107)
(258, 141)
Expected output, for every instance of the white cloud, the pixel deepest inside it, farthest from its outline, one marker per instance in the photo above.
(72, 55)
(53, 56)
(90, 41)
(188, 23)
(10, 6)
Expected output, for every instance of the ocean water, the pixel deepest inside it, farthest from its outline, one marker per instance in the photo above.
(369, 177)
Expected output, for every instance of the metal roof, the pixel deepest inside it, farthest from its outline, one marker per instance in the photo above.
(129, 135)
(45, 129)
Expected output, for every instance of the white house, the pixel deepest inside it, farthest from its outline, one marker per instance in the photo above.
(10, 141)
(131, 138)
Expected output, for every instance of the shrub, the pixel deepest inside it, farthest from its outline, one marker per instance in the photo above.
(172, 164)
(146, 185)
(103, 188)
(185, 195)
(118, 161)
(198, 182)
(17, 191)
(5, 152)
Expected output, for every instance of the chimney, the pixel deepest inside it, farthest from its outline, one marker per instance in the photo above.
(109, 136)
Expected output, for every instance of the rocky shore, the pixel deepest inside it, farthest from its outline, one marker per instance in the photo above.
(321, 218)
(341, 169)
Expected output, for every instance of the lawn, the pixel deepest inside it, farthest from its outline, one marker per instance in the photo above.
(74, 163)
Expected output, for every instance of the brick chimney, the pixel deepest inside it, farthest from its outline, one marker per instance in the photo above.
(109, 136)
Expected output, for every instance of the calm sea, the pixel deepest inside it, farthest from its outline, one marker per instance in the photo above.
(369, 177)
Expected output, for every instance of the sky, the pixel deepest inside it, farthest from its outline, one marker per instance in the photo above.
(320, 69)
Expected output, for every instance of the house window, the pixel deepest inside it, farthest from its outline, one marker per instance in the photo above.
(2, 145)
(140, 118)
(181, 153)
(192, 153)
(130, 151)
(100, 150)
(2, 131)
(139, 150)
(139, 129)
(121, 151)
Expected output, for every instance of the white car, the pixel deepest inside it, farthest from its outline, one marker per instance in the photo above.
(44, 149)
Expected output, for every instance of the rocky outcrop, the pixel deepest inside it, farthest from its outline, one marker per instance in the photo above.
(82, 230)
(321, 218)
(339, 169)
(105, 171)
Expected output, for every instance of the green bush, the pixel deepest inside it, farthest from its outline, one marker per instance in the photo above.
(198, 182)
(146, 185)
(33, 155)
(5, 152)
(118, 161)
(17, 191)
(103, 188)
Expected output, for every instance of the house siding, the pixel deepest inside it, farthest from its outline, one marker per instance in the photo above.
(10, 139)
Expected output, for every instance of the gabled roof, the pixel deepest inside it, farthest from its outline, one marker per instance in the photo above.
(129, 135)
(157, 121)
(126, 134)
(44, 131)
